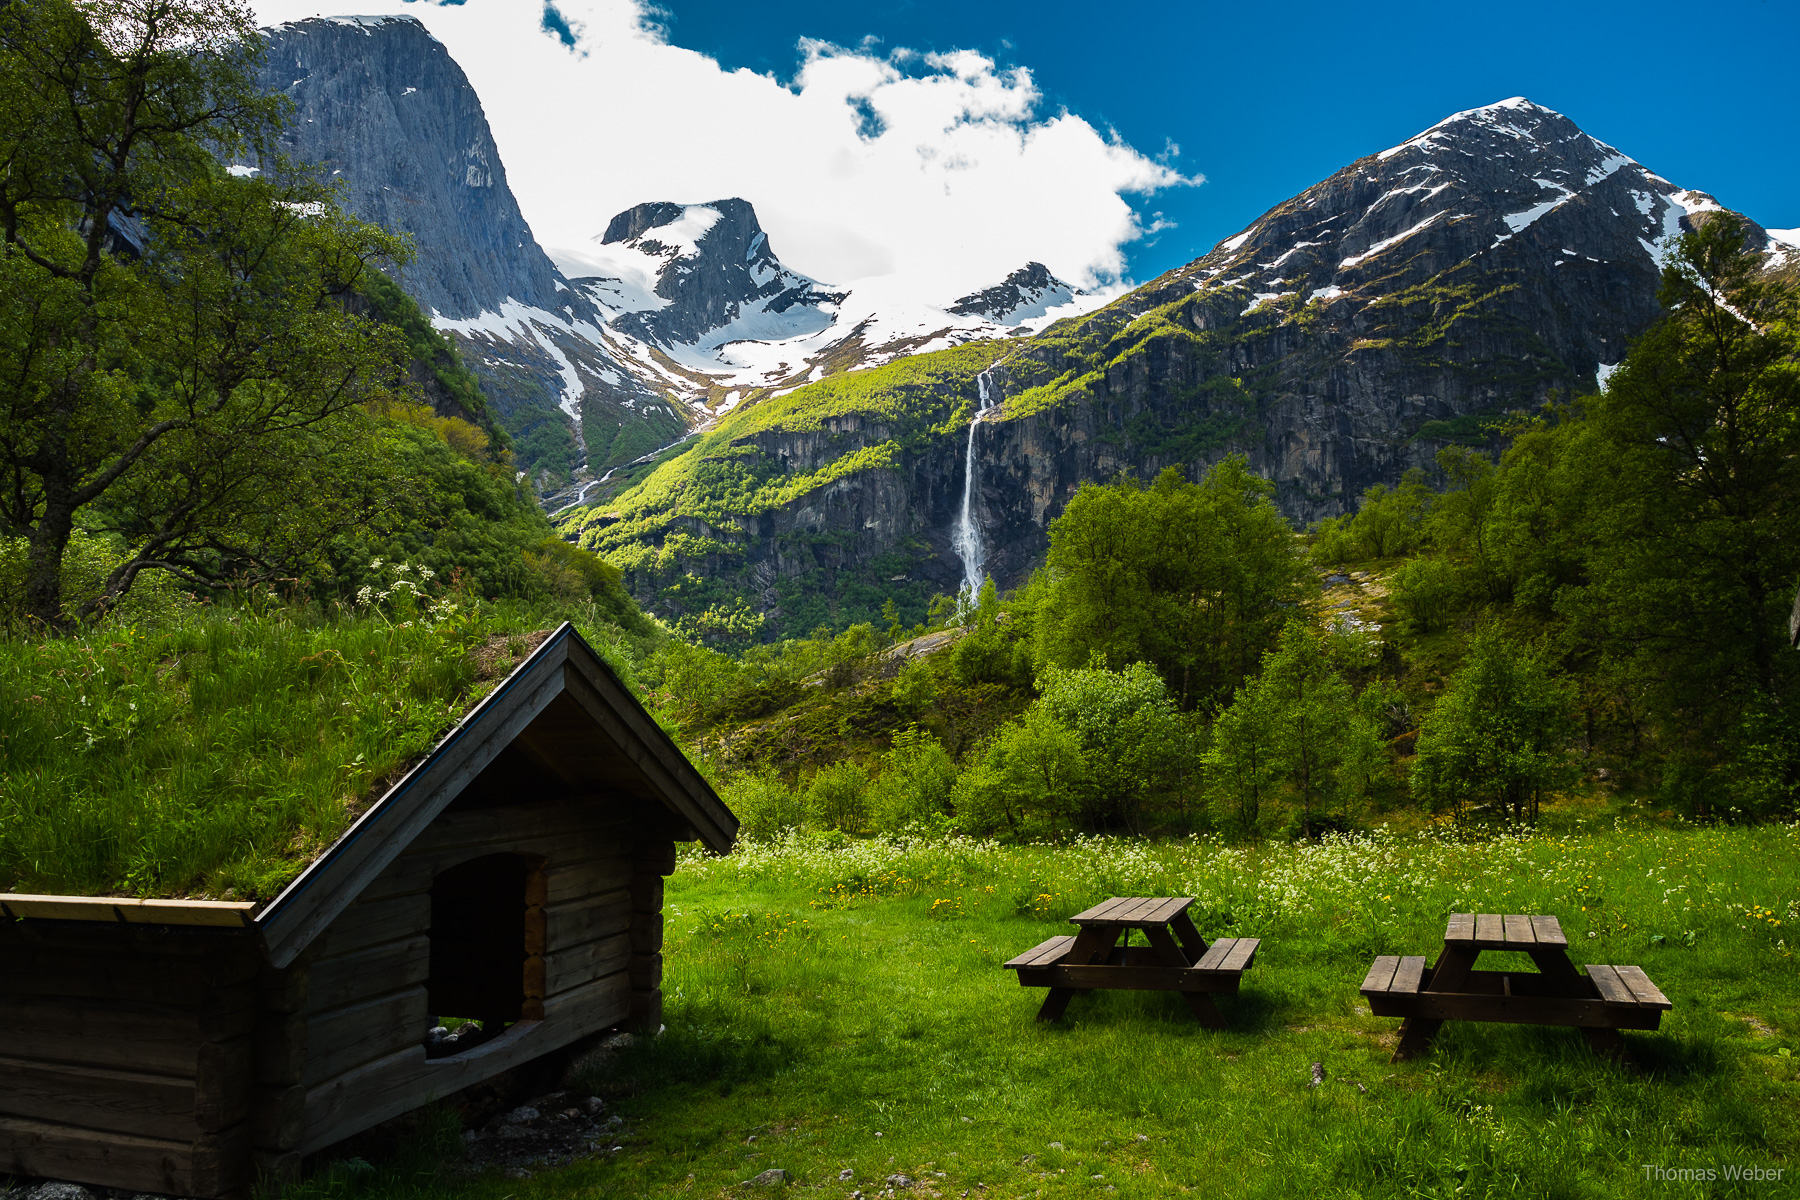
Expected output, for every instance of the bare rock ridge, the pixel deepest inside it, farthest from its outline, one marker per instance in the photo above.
(1030, 291)
(715, 274)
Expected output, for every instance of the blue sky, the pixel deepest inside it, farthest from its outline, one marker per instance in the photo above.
(1265, 100)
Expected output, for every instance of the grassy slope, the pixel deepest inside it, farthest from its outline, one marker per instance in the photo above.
(820, 997)
(216, 757)
(868, 420)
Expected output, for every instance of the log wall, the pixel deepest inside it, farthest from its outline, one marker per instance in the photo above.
(351, 1046)
(126, 1054)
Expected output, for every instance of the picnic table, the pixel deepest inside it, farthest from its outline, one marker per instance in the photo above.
(1177, 959)
(1599, 1003)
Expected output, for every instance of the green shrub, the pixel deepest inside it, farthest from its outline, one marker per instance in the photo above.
(915, 783)
(838, 798)
(765, 807)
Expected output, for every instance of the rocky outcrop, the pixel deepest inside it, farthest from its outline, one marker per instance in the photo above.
(1031, 291)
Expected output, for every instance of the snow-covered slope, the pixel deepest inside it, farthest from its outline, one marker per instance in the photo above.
(698, 307)
(1027, 295)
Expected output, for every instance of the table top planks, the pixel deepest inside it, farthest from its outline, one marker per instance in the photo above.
(1136, 911)
(1512, 931)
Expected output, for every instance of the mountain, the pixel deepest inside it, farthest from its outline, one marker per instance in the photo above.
(675, 314)
(382, 105)
(1407, 302)
(1028, 293)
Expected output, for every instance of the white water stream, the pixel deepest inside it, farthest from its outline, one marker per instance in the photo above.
(965, 537)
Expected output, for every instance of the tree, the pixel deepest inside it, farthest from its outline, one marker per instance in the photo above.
(1695, 554)
(1195, 578)
(1498, 735)
(1132, 739)
(180, 368)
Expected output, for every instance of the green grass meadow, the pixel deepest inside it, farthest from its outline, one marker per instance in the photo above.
(838, 1005)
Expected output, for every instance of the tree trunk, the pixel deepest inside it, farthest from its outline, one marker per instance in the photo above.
(43, 567)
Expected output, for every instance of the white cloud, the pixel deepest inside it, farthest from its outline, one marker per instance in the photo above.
(939, 170)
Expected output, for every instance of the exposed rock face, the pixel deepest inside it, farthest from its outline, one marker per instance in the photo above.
(1031, 291)
(382, 105)
(1498, 258)
(715, 274)
(1350, 333)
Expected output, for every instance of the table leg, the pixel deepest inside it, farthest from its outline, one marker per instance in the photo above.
(1201, 1005)
(1055, 1003)
(1092, 944)
(1553, 963)
(1449, 974)
(1191, 941)
(1607, 1044)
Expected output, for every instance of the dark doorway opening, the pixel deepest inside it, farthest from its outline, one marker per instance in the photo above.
(487, 931)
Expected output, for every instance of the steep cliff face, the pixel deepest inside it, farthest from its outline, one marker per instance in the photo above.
(382, 105)
(1407, 302)
(1029, 292)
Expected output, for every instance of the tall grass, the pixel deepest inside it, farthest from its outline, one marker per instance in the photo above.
(836, 1005)
(214, 757)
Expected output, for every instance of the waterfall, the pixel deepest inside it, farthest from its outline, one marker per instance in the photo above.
(965, 537)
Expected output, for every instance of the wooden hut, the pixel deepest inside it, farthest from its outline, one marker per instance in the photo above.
(514, 877)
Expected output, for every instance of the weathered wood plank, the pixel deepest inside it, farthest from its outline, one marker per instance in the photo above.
(1517, 1010)
(570, 878)
(646, 932)
(1461, 928)
(1642, 989)
(207, 1167)
(386, 1087)
(222, 1083)
(588, 918)
(572, 966)
(373, 922)
(646, 1010)
(345, 1038)
(126, 909)
(1241, 954)
(646, 893)
(130, 1102)
(338, 981)
(158, 1039)
(1410, 974)
(646, 971)
(278, 1118)
(1548, 931)
(33, 971)
(280, 1043)
(1105, 976)
(1101, 911)
(1045, 951)
(1488, 928)
(1381, 973)
(653, 857)
(1611, 989)
(412, 873)
(553, 820)
(1518, 932)
(1214, 958)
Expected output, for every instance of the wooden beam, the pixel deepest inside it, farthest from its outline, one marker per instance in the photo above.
(127, 909)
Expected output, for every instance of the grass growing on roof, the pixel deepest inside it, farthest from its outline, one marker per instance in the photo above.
(838, 1006)
(218, 756)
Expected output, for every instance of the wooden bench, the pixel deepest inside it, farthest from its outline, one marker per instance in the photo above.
(1177, 959)
(1599, 1003)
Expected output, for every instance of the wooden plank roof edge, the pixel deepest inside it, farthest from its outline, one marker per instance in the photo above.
(557, 644)
(131, 910)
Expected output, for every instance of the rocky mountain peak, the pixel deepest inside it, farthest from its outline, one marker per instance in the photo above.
(1031, 291)
(698, 274)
